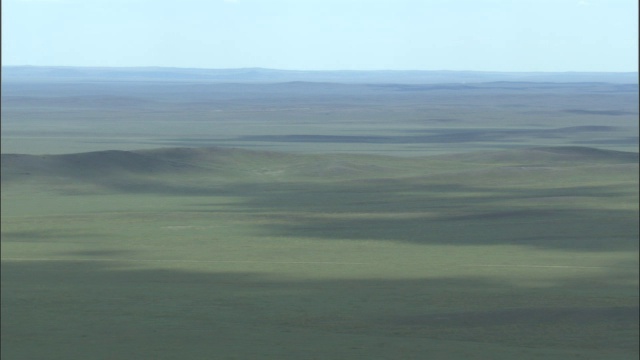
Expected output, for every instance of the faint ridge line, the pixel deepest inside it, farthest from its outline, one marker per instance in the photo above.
(188, 261)
(551, 266)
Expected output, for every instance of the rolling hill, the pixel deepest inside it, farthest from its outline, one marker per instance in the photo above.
(217, 163)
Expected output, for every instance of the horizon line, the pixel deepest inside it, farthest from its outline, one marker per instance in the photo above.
(315, 70)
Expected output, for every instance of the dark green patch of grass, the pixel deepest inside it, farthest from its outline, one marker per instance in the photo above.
(107, 308)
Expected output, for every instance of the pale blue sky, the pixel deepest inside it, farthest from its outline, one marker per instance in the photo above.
(484, 35)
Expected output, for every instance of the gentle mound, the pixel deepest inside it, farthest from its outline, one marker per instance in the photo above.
(266, 165)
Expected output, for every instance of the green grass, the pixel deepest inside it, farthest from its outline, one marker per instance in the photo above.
(516, 237)
(235, 254)
(45, 118)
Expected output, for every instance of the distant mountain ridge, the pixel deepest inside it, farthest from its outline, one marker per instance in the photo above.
(262, 75)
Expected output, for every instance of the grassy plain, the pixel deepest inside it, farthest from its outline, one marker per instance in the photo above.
(485, 249)
(45, 118)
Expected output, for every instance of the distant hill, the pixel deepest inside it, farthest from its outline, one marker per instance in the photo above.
(261, 75)
(209, 164)
(554, 155)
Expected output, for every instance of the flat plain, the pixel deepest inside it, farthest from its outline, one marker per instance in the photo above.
(309, 220)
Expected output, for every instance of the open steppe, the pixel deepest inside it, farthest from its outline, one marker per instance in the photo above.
(319, 221)
(43, 116)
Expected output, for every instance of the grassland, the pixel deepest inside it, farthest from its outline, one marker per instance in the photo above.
(303, 235)
(401, 119)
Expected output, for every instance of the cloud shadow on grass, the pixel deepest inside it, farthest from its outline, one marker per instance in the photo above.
(49, 235)
(585, 230)
(85, 307)
(448, 214)
(562, 218)
(558, 206)
(443, 136)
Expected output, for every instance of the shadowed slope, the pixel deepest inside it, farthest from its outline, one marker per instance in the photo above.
(265, 165)
(87, 165)
(557, 155)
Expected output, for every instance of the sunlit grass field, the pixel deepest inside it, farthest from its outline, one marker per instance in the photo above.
(329, 222)
(277, 255)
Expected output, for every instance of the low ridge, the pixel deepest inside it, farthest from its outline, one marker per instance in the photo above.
(241, 162)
